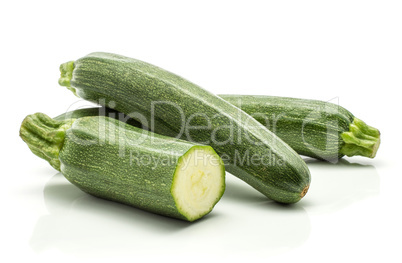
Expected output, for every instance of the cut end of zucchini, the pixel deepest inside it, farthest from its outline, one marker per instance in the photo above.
(199, 182)
(45, 136)
(66, 74)
(361, 139)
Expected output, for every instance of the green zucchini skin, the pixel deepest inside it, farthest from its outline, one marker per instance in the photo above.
(249, 150)
(100, 111)
(314, 128)
(102, 156)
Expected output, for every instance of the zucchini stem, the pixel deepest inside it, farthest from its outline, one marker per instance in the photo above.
(66, 74)
(45, 136)
(304, 192)
(361, 139)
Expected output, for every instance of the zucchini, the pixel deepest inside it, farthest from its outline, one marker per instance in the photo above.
(100, 111)
(184, 110)
(314, 128)
(116, 161)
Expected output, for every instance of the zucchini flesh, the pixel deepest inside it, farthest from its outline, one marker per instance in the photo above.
(314, 128)
(249, 150)
(116, 161)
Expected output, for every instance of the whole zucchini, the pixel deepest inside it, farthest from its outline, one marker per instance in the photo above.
(314, 128)
(184, 110)
(116, 161)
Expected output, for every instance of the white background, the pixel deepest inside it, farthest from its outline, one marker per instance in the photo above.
(349, 52)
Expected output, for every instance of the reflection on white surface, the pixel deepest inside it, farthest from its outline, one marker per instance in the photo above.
(267, 225)
(79, 224)
(77, 221)
(335, 186)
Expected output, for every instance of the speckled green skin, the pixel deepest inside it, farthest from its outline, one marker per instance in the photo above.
(132, 86)
(318, 129)
(99, 111)
(312, 128)
(116, 161)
